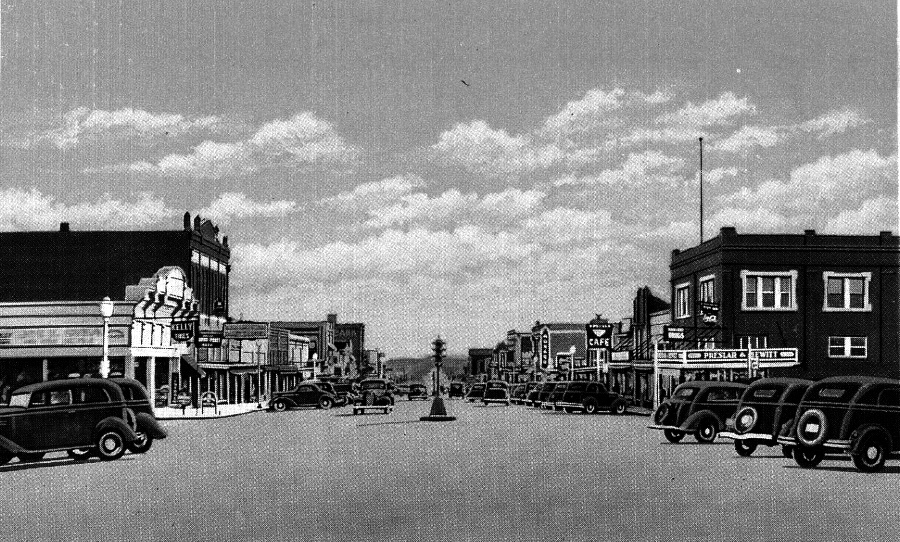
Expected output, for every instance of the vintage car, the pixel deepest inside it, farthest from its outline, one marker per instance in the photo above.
(476, 392)
(457, 389)
(137, 398)
(345, 392)
(375, 394)
(400, 390)
(858, 415)
(763, 409)
(540, 401)
(305, 394)
(81, 416)
(417, 391)
(588, 397)
(495, 391)
(698, 407)
(533, 393)
(517, 393)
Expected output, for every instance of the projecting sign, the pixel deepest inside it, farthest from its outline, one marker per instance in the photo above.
(210, 339)
(545, 347)
(183, 330)
(599, 335)
(709, 312)
(245, 331)
(672, 333)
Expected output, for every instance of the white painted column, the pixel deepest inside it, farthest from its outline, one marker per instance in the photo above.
(151, 379)
(45, 370)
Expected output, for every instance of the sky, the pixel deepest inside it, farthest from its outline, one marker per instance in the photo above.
(455, 168)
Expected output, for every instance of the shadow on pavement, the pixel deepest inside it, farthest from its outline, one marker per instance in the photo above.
(848, 469)
(61, 462)
(388, 423)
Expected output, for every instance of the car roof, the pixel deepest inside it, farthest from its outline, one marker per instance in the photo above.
(781, 380)
(857, 379)
(68, 382)
(703, 384)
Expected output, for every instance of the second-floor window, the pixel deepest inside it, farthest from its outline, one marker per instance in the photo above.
(847, 347)
(682, 301)
(708, 289)
(847, 291)
(766, 290)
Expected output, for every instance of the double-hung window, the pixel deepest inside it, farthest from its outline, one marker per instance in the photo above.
(769, 290)
(682, 301)
(708, 289)
(847, 347)
(847, 292)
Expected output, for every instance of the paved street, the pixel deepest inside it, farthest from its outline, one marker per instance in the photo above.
(497, 473)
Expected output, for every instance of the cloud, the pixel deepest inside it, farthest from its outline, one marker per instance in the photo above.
(480, 148)
(721, 110)
(375, 194)
(301, 139)
(584, 114)
(83, 122)
(457, 207)
(747, 138)
(759, 220)
(874, 215)
(663, 135)
(563, 225)
(834, 122)
(639, 168)
(24, 210)
(236, 205)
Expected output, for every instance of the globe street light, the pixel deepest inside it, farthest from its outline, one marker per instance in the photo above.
(106, 310)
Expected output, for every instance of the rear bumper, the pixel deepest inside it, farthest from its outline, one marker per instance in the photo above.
(746, 436)
(843, 445)
(668, 428)
(566, 404)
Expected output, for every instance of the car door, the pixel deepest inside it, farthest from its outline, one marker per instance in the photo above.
(306, 395)
(90, 405)
(723, 401)
(48, 419)
(889, 403)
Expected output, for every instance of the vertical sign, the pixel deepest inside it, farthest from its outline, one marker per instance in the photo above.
(545, 347)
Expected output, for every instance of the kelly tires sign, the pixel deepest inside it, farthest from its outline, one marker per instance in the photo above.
(184, 330)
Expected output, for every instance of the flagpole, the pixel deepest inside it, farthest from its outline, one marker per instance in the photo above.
(701, 190)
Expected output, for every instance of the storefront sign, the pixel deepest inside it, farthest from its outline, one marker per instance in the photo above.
(767, 358)
(672, 333)
(60, 336)
(622, 356)
(183, 330)
(703, 356)
(245, 331)
(670, 355)
(599, 335)
(709, 312)
(210, 339)
(545, 347)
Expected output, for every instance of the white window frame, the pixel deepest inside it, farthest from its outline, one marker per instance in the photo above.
(867, 279)
(686, 286)
(776, 274)
(847, 347)
(712, 294)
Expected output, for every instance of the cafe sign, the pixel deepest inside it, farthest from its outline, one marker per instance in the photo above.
(599, 335)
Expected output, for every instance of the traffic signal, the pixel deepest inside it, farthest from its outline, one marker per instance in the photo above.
(439, 348)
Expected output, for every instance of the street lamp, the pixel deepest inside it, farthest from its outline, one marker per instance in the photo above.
(571, 361)
(106, 310)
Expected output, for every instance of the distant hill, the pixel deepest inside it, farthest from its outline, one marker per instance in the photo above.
(418, 369)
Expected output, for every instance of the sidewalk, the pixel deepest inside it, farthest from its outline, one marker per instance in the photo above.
(639, 411)
(222, 411)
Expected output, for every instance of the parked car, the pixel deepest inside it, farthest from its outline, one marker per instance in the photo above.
(400, 390)
(345, 392)
(457, 389)
(558, 389)
(495, 391)
(375, 392)
(331, 388)
(137, 398)
(762, 410)
(533, 393)
(588, 397)
(541, 399)
(305, 394)
(858, 415)
(81, 416)
(476, 392)
(698, 407)
(417, 391)
(517, 393)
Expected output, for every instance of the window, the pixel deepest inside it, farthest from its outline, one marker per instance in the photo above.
(94, 394)
(682, 301)
(708, 289)
(847, 291)
(847, 347)
(766, 290)
(752, 341)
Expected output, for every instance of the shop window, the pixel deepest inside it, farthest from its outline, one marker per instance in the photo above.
(682, 301)
(753, 341)
(708, 289)
(847, 291)
(847, 347)
(773, 291)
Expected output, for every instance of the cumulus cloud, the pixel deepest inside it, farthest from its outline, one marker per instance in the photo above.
(458, 207)
(478, 147)
(563, 225)
(639, 168)
(82, 123)
(375, 194)
(24, 210)
(721, 110)
(301, 139)
(584, 114)
(747, 138)
(833, 122)
(874, 215)
(236, 205)
(663, 135)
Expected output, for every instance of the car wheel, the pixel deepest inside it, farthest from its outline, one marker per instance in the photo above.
(706, 432)
(81, 454)
(808, 457)
(812, 428)
(590, 407)
(141, 443)
(744, 448)
(662, 412)
(110, 445)
(280, 405)
(787, 451)
(673, 436)
(618, 408)
(873, 451)
(30, 457)
(325, 403)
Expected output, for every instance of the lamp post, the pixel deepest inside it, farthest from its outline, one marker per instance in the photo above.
(106, 310)
(571, 361)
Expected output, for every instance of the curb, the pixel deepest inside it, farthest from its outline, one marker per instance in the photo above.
(214, 417)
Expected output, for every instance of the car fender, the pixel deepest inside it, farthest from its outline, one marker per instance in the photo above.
(287, 400)
(862, 432)
(150, 425)
(694, 420)
(10, 446)
(119, 425)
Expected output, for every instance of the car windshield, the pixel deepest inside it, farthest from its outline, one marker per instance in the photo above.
(478, 387)
(496, 385)
(19, 399)
(373, 385)
(835, 393)
(685, 393)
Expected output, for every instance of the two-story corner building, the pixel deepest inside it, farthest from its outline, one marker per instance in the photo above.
(350, 340)
(479, 362)
(560, 349)
(322, 351)
(833, 298)
(519, 366)
(631, 360)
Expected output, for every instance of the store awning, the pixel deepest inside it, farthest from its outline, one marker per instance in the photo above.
(283, 369)
(244, 370)
(188, 360)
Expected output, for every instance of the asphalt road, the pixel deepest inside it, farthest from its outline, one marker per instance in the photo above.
(496, 473)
